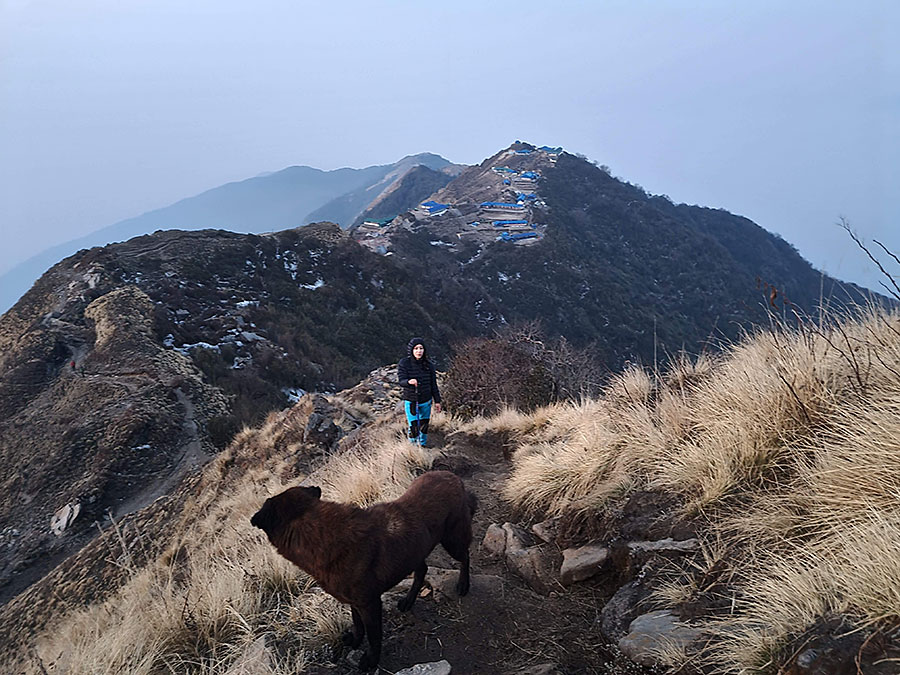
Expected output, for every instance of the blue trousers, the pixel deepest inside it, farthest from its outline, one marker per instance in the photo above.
(418, 417)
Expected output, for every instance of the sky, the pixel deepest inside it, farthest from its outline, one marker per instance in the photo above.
(787, 113)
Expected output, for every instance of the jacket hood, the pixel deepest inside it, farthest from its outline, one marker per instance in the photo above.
(412, 343)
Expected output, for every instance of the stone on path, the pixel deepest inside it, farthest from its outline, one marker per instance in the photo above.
(443, 581)
(654, 635)
(494, 542)
(582, 563)
(434, 668)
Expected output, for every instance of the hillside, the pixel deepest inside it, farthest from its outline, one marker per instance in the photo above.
(732, 514)
(179, 339)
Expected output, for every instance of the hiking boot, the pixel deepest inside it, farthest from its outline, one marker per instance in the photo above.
(423, 440)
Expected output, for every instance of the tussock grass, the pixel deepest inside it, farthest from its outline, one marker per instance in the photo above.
(787, 444)
(221, 595)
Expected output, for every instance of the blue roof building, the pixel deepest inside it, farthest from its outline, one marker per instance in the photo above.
(518, 236)
(502, 205)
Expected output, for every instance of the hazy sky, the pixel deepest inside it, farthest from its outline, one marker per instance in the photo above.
(785, 112)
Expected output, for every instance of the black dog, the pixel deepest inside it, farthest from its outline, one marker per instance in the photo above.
(357, 554)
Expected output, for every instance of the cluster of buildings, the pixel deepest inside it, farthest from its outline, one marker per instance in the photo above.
(510, 219)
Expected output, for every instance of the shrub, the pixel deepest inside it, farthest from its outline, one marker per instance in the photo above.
(517, 368)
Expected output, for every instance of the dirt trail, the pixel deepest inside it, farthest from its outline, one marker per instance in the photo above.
(502, 626)
(191, 458)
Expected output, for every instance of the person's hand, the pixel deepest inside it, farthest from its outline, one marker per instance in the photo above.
(437, 407)
(414, 382)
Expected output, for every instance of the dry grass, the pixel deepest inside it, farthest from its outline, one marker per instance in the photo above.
(221, 591)
(788, 444)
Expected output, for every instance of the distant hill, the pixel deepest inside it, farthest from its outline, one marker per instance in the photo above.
(345, 209)
(416, 186)
(275, 201)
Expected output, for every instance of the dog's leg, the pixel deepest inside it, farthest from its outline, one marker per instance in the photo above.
(371, 617)
(456, 542)
(353, 637)
(406, 603)
(462, 585)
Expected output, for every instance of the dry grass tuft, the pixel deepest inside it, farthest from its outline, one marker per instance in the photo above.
(788, 443)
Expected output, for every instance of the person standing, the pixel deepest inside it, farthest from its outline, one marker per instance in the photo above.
(418, 378)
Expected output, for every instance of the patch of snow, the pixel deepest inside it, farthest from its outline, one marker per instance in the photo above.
(169, 340)
(318, 284)
(241, 362)
(186, 349)
(293, 394)
(502, 277)
(145, 446)
(248, 303)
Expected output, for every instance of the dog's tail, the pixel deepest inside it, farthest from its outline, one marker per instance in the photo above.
(473, 502)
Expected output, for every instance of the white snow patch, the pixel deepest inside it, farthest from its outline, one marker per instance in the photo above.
(293, 394)
(318, 284)
(186, 349)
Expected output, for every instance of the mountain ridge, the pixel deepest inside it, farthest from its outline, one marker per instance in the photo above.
(276, 200)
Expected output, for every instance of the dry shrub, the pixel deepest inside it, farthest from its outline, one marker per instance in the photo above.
(518, 368)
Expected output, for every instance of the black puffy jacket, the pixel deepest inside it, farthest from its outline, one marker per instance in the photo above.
(420, 370)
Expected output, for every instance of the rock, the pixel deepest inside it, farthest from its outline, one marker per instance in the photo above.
(354, 656)
(526, 561)
(443, 581)
(532, 567)
(517, 539)
(582, 563)
(494, 542)
(63, 518)
(434, 668)
(618, 613)
(320, 427)
(651, 635)
(546, 531)
(255, 660)
(664, 546)
(822, 661)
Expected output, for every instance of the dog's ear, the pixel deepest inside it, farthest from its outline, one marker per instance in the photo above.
(314, 491)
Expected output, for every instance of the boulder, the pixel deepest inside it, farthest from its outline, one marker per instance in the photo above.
(651, 636)
(582, 563)
(434, 668)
